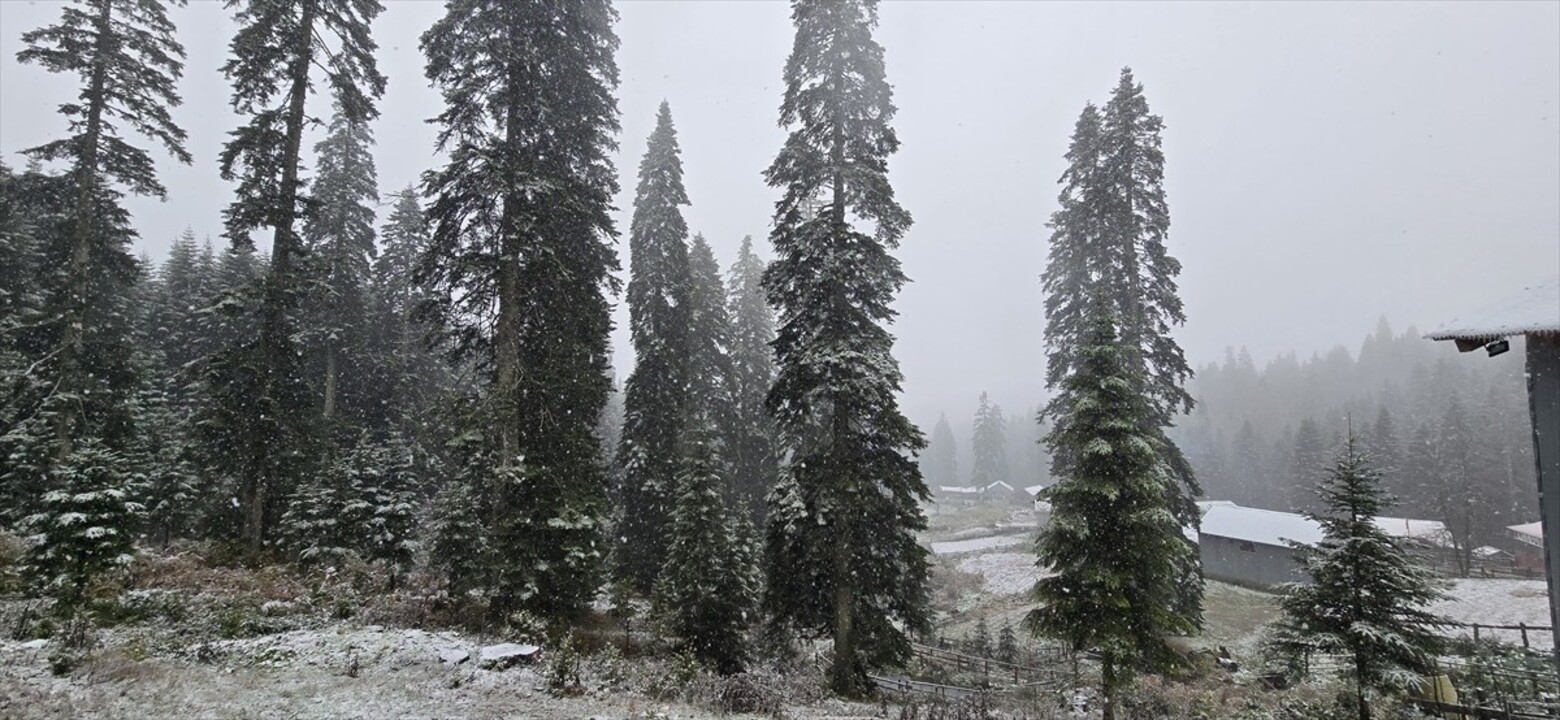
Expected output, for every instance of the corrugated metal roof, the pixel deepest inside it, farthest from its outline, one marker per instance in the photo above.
(1533, 309)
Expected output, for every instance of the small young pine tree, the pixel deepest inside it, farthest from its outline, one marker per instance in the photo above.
(85, 527)
(1366, 598)
(326, 518)
(703, 593)
(980, 644)
(454, 536)
(389, 489)
(1007, 644)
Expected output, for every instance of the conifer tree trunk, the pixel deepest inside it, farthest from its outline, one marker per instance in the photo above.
(332, 372)
(283, 246)
(86, 224)
(1108, 686)
(506, 340)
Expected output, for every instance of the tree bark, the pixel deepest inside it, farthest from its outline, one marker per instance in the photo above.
(283, 246)
(1108, 682)
(87, 181)
(331, 373)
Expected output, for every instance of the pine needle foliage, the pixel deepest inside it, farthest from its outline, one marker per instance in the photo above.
(1112, 547)
(1366, 597)
(842, 558)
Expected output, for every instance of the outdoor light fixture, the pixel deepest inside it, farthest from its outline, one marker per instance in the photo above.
(1498, 347)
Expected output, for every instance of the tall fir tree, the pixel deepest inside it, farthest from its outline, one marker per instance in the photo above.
(1366, 598)
(1109, 237)
(709, 336)
(1117, 594)
(703, 595)
(520, 261)
(1307, 460)
(339, 237)
(755, 463)
(258, 388)
(82, 372)
(655, 399)
(989, 445)
(841, 555)
(1385, 451)
(412, 380)
(940, 461)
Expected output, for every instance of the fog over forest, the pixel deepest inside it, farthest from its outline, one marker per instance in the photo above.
(1325, 164)
(813, 359)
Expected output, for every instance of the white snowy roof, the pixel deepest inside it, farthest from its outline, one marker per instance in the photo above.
(1269, 527)
(958, 490)
(1534, 309)
(1532, 529)
(1034, 489)
(997, 483)
(1203, 505)
(1411, 528)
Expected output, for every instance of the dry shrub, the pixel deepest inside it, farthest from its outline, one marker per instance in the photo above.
(949, 585)
(12, 547)
(747, 693)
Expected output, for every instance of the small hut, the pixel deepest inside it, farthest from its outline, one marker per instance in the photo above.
(1534, 314)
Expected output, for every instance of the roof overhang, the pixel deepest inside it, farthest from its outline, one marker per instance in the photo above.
(1533, 310)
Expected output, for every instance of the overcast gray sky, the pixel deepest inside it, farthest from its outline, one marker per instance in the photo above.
(1327, 163)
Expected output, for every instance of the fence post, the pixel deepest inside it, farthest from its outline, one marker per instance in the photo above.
(1523, 627)
(1476, 634)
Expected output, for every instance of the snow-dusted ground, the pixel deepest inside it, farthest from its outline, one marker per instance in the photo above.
(955, 547)
(1499, 602)
(336, 673)
(1487, 602)
(1003, 573)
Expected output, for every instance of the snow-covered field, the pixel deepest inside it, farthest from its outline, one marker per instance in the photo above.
(1499, 602)
(1487, 602)
(955, 547)
(1003, 573)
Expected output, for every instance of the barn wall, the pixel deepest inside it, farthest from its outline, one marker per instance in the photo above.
(1262, 567)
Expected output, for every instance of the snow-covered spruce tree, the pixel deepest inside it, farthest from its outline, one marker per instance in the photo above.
(841, 556)
(259, 395)
(174, 324)
(1309, 456)
(521, 261)
(453, 534)
(127, 62)
(1007, 644)
(32, 203)
(940, 461)
(1109, 237)
(338, 233)
(84, 528)
(709, 343)
(655, 398)
(389, 486)
(1385, 452)
(989, 445)
(754, 462)
(166, 461)
(413, 379)
(702, 595)
(326, 517)
(1114, 548)
(1366, 598)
